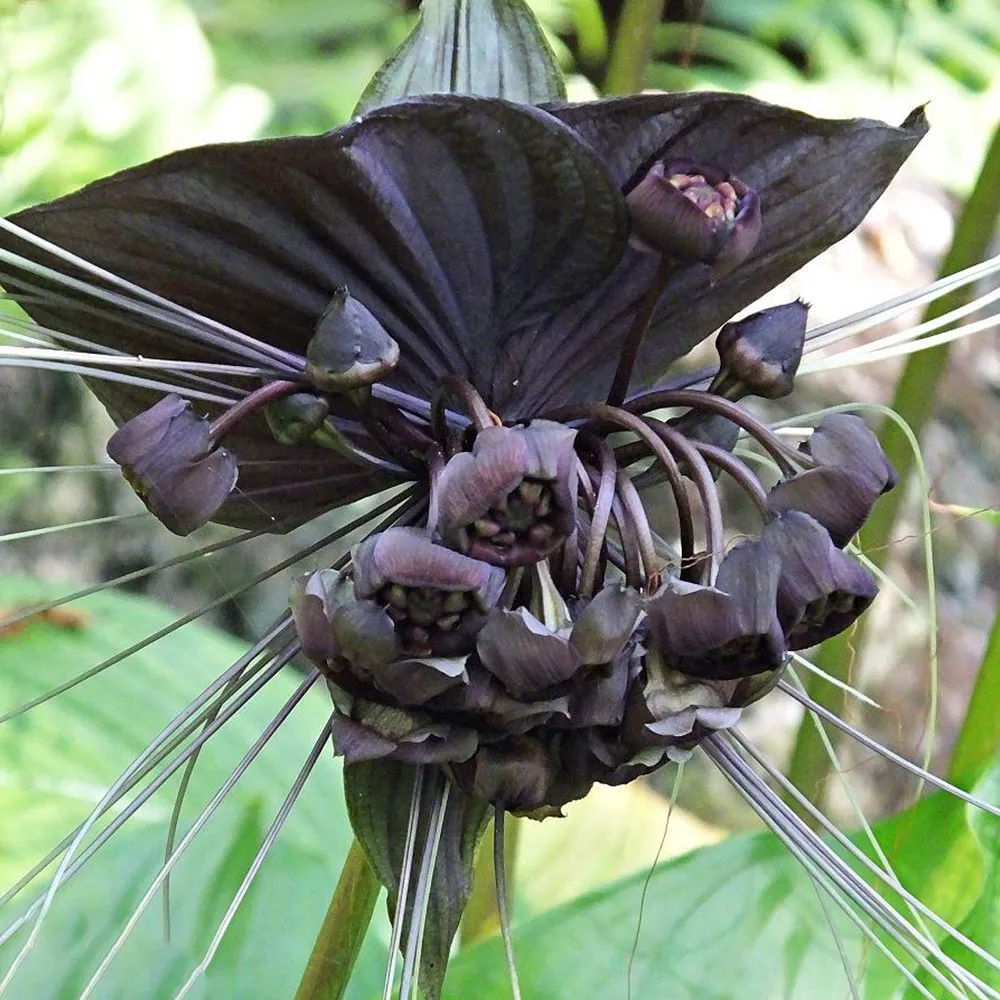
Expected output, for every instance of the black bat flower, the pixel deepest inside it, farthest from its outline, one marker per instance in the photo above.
(480, 299)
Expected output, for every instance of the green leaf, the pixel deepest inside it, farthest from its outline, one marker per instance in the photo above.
(491, 48)
(740, 919)
(379, 794)
(57, 760)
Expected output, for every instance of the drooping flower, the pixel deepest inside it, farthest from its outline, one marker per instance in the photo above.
(511, 499)
(169, 458)
(850, 472)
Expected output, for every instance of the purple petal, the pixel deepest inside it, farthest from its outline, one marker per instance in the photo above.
(523, 654)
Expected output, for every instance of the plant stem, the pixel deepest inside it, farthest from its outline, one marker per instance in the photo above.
(329, 968)
(914, 400)
(481, 917)
(633, 46)
(980, 733)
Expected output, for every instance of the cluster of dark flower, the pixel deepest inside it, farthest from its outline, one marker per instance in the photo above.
(520, 624)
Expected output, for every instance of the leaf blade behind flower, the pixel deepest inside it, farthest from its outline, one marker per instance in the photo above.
(816, 178)
(492, 49)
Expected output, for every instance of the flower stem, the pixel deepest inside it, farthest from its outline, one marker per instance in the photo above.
(339, 940)
(637, 332)
(481, 918)
(980, 732)
(633, 46)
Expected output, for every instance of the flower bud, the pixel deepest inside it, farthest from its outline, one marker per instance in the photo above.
(296, 418)
(169, 458)
(510, 501)
(695, 213)
(821, 591)
(841, 491)
(759, 355)
(350, 349)
(437, 598)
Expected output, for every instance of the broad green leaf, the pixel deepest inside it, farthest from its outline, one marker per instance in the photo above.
(613, 832)
(57, 760)
(740, 919)
(491, 48)
(982, 924)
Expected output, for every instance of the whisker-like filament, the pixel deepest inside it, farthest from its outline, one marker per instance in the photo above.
(49, 469)
(872, 744)
(157, 751)
(248, 758)
(830, 333)
(40, 908)
(91, 522)
(910, 345)
(884, 873)
(130, 361)
(838, 941)
(268, 842)
(209, 330)
(405, 877)
(137, 574)
(675, 790)
(928, 326)
(125, 379)
(393, 503)
(503, 898)
(835, 681)
(831, 869)
(422, 890)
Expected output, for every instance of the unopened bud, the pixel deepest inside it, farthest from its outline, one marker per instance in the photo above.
(350, 349)
(759, 355)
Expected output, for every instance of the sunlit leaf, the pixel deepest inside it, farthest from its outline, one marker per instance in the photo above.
(57, 760)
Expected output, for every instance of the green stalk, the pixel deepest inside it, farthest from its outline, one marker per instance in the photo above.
(329, 968)
(980, 732)
(633, 46)
(481, 918)
(914, 400)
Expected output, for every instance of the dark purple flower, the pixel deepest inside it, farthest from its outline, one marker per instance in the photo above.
(822, 591)
(851, 473)
(437, 598)
(729, 630)
(695, 212)
(510, 501)
(169, 458)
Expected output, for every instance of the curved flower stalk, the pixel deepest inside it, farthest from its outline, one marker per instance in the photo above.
(480, 302)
